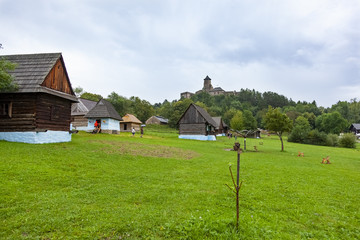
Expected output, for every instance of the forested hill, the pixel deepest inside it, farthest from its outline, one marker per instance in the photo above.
(345, 113)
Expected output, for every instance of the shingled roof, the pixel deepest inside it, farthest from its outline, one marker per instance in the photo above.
(203, 113)
(103, 109)
(217, 121)
(32, 70)
(162, 119)
(355, 126)
(82, 107)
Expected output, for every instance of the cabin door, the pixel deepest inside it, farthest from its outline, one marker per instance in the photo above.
(99, 122)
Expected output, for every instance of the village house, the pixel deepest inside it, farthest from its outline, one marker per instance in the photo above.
(78, 112)
(221, 128)
(106, 116)
(355, 128)
(196, 123)
(39, 111)
(130, 121)
(157, 120)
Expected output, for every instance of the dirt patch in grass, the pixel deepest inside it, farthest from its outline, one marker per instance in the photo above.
(145, 150)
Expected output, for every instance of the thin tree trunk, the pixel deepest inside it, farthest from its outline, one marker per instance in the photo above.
(237, 189)
(282, 144)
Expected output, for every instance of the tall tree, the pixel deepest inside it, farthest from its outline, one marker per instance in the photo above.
(91, 96)
(78, 91)
(120, 103)
(165, 109)
(331, 123)
(142, 108)
(278, 122)
(237, 122)
(249, 120)
(6, 80)
(300, 131)
(228, 115)
(179, 108)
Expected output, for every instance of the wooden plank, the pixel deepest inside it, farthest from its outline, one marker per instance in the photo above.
(16, 123)
(24, 115)
(57, 78)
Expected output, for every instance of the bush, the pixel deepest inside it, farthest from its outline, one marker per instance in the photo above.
(348, 140)
(300, 131)
(317, 138)
(297, 136)
(332, 140)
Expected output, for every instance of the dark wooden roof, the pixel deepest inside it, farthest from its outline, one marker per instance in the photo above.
(355, 126)
(218, 121)
(103, 109)
(162, 119)
(207, 78)
(32, 70)
(203, 113)
(82, 107)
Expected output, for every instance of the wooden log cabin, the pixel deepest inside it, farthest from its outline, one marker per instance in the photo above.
(78, 112)
(197, 124)
(40, 110)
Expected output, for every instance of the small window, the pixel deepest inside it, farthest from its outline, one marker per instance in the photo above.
(5, 109)
(55, 113)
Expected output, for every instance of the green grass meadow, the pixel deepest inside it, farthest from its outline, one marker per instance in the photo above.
(161, 187)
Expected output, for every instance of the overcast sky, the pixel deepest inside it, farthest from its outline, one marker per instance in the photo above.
(306, 50)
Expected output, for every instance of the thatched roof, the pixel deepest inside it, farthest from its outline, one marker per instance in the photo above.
(129, 118)
(103, 109)
(32, 70)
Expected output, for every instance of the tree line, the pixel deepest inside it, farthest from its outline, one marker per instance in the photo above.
(245, 110)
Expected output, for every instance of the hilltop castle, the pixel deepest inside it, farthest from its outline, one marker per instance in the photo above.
(209, 89)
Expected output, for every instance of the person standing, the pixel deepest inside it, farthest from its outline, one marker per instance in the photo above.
(133, 131)
(142, 132)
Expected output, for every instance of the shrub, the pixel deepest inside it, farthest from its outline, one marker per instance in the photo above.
(332, 140)
(300, 131)
(348, 140)
(317, 138)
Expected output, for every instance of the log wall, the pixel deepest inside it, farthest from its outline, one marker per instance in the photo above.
(23, 116)
(34, 112)
(79, 121)
(192, 123)
(53, 113)
(192, 129)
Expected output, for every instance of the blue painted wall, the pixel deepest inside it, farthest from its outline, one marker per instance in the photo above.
(198, 137)
(106, 124)
(36, 137)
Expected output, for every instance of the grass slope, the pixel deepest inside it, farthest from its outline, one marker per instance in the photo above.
(122, 187)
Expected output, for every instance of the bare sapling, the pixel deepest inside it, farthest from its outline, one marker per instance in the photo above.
(237, 184)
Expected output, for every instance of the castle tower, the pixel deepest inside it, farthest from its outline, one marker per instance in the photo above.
(207, 84)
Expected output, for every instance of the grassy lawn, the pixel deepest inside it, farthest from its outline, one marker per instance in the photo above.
(160, 187)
